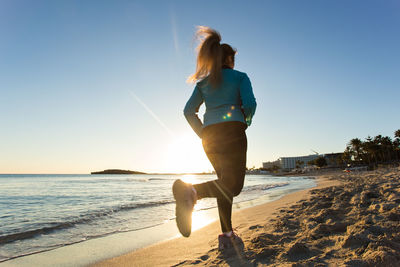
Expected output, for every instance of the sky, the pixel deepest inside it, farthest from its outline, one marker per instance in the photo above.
(93, 85)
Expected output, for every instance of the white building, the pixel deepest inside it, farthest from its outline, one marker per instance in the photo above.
(289, 163)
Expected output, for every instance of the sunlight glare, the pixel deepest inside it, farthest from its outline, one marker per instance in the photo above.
(185, 155)
(190, 178)
(201, 219)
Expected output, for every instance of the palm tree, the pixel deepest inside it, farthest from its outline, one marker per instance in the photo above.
(299, 164)
(355, 145)
(397, 134)
(396, 144)
(387, 146)
(370, 150)
(378, 145)
(346, 157)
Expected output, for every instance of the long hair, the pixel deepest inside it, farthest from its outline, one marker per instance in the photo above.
(211, 56)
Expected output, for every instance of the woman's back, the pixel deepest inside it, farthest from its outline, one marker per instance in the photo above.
(232, 100)
(225, 94)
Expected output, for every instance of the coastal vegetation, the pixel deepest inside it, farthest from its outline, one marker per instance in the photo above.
(373, 150)
(319, 162)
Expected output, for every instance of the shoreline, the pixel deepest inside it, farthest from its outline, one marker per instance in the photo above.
(113, 245)
(171, 252)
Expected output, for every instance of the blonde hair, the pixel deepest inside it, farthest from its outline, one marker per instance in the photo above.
(211, 56)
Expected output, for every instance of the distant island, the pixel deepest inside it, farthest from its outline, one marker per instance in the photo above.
(116, 171)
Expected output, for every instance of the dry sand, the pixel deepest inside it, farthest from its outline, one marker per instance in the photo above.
(350, 219)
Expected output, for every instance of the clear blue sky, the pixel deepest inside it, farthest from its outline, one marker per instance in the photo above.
(90, 85)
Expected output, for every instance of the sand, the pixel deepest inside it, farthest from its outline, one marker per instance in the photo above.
(350, 219)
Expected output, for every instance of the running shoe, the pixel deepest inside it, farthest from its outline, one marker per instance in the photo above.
(226, 242)
(185, 200)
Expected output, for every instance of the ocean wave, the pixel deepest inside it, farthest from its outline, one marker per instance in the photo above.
(46, 228)
(142, 179)
(136, 179)
(32, 233)
(263, 187)
(144, 205)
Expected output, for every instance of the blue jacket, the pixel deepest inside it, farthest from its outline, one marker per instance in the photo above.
(233, 100)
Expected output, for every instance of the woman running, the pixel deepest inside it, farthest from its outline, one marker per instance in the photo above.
(230, 106)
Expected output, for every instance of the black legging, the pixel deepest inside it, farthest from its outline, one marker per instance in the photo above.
(225, 145)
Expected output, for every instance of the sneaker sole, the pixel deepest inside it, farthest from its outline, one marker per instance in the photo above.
(183, 211)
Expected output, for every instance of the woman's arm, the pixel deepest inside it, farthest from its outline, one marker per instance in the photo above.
(248, 100)
(191, 110)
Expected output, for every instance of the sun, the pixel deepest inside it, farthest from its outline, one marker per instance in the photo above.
(186, 155)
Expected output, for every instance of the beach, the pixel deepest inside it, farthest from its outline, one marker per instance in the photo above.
(349, 219)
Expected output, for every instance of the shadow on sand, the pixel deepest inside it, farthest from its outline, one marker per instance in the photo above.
(235, 256)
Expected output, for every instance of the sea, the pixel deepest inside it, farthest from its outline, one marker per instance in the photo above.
(42, 212)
